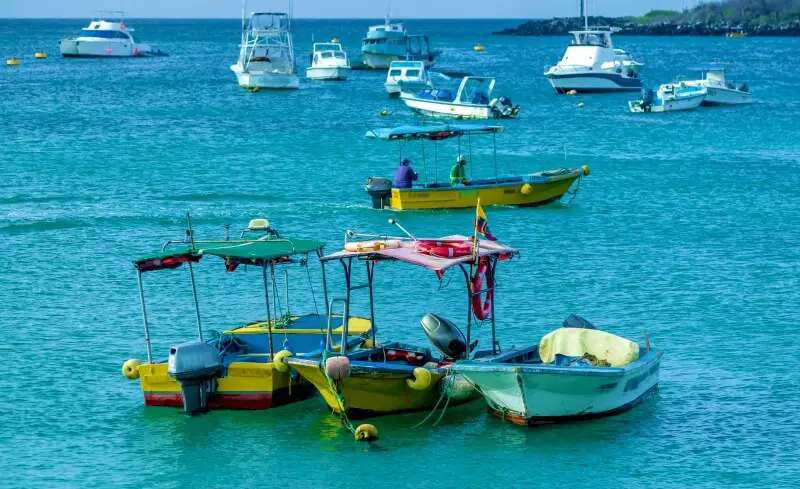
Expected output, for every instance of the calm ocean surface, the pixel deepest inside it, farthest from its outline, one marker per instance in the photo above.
(687, 227)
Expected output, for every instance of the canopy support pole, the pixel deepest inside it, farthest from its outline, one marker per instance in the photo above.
(494, 145)
(467, 276)
(196, 304)
(436, 160)
(471, 164)
(348, 267)
(266, 301)
(324, 280)
(424, 163)
(370, 274)
(493, 265)
(144, 318)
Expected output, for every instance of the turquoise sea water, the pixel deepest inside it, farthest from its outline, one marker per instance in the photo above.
(687, 227)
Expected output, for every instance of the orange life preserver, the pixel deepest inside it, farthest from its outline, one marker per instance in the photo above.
(444, 249)
(483, 310)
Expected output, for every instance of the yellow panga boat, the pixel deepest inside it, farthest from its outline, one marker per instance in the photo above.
(393, 378)
(236, 369)
(533, 189)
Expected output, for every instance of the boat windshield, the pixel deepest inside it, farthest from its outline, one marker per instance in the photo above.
(476, 90)
(265, 22)
(104, 34)
(590, 39)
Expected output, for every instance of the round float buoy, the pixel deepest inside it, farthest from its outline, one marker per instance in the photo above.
(526, 189)
(422, 379)
(384, 113)
(572, 92)
(480, 47)
(130, 369)
(366, 432)
(254, 89)
(337, 367)
(278, 362)
(335, 39)
(580, 105)
(586, 170)
(40, 55)
(13, 61)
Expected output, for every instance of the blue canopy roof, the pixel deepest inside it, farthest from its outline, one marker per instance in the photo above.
(433, 132)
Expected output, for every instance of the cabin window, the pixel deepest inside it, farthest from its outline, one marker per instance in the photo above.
(327, 55)
(412, 73)
(338, 55)
(395, 72)
(104, 34)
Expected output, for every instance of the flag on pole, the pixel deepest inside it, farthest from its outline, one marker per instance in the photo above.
(482, 223)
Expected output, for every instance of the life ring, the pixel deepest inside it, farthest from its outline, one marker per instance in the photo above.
(377, 245)
(444, 249)
(482, 310)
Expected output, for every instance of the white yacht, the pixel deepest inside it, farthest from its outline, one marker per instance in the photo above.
(407, 75)
(592, 64)
(328, 62)
(720, 90)
(266, 54)
(106, 36)
(389, 42)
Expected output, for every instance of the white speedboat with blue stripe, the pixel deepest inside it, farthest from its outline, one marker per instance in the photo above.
(473, 100)
(670, 97)
(106, 37)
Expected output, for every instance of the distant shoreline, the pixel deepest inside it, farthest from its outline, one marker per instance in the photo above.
(561, 26)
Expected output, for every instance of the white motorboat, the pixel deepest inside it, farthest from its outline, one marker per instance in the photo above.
(266, 55)
(670, 97)
(407, 76)
(389, 42)
(592, 64)
(575, 373)
(720, 90)
(106, 37)
(474, 99)
(328, 62)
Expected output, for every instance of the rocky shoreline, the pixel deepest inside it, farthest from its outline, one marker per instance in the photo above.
(562, 26)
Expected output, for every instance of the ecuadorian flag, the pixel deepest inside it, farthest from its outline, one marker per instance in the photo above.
(482, 223)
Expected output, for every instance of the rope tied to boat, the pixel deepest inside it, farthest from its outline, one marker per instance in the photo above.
(574, 193)
(445, 393)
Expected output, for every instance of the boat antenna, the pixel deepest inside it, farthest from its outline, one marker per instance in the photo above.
(395, 223)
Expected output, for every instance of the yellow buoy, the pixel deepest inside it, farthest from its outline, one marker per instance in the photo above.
(480, 47)
(384, 113)
(40, 55)
(572, 92)
(526, 189)
(255, 89)
(421, 381)
(366, 432)
(278, 362)
(13, 61)
(580, 104)
(586, 170)
(130, 369)
(335, 39)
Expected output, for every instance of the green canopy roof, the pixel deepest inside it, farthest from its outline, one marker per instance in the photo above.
(234, 252)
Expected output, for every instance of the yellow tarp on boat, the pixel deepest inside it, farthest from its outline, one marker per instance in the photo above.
(577, 342)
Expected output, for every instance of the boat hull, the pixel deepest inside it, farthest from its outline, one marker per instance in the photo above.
(246, 385)
(328, 73)
(527, 394)
(74, 48)
(438, 108)
(540, 191)
(669, 105)
(593, 82)
(724, 96)
(382, 61)
(265, 80)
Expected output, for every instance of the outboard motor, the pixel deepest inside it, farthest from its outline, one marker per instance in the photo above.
(380, 189)
(575, 321)
(647, 99)
(195, 365)
(445, 336)
(503, 107)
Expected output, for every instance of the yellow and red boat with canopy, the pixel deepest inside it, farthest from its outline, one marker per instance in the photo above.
(236, 369)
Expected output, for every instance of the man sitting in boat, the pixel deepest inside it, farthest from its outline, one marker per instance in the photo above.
(404, 175)
(458, 174)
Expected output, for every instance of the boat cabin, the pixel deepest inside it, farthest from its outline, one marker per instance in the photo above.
(406, 71)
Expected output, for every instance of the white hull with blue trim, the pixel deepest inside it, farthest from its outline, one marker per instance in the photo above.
(474, 99)
(104, 39)
(669, 98)
(529, 393)
(593, 82)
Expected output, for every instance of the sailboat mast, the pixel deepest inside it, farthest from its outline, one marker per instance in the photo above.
(585, 15)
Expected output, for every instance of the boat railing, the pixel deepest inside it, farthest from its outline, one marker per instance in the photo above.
(345, 319)
(571, 68)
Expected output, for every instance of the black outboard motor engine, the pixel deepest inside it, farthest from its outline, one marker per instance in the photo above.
(196, 366)
(503, 107)
(380, 189)
(445, 336)
(575, 321)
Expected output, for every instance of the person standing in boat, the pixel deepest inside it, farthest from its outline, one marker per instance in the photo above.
(404, 176)
(458, 174)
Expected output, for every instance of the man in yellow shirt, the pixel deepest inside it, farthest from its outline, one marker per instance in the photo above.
(458, 174)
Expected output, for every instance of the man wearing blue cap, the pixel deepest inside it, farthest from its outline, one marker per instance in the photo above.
(404, 175)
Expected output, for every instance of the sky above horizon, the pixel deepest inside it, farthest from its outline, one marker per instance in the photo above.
(371, 9)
